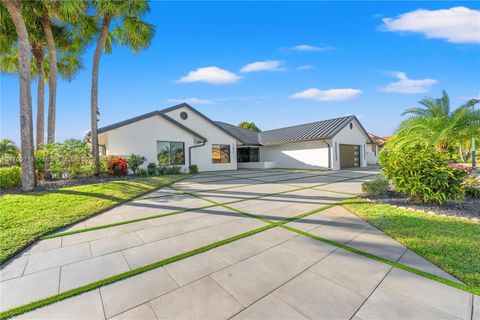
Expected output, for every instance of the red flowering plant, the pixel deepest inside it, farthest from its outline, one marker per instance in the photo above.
(118, 167)
(462, 168)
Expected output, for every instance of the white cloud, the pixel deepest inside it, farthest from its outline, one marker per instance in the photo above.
(405, 85)
(213, 75)
(309, 48)
(268, 65)
(457, 24)
(326, 95)
(191, 101)
(305, 67)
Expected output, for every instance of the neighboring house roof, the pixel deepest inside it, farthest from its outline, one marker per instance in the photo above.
(378, 140)
(246, 136)
(148, 115)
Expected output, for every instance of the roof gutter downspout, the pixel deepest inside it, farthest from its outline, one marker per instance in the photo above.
(329, 154)
(190, 151)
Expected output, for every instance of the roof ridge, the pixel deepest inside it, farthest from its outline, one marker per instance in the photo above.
(303, 124)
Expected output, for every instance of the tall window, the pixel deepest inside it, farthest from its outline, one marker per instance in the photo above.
(170, 153)
(220, 153)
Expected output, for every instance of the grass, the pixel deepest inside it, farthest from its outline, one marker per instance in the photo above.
(450, 243)
(26, 217)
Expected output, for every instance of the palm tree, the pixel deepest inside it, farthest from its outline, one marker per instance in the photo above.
(68, 64)
(435, 124)
(26, 121)
(130, 31)
(7, 149)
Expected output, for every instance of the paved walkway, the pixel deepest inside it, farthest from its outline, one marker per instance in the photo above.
(274, 274)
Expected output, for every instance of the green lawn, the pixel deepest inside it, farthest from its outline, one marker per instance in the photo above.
(450, 243)
(26, 217)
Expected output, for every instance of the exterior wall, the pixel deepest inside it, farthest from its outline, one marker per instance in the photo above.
(202, 156)
(301, 155)
(256, 165)
(354, 136)
(372, 157)
(141, 138)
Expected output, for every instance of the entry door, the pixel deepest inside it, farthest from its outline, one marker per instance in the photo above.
(349, 156)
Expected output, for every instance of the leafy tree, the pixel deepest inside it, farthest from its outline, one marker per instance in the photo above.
(249, 126)
(130, 31)
(26, 117)
(434, 123)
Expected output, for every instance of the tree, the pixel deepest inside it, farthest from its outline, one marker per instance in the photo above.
(435, 124)
(249, 126)
(129, 31)
(7, 149)
(26, 121)
(68, 64)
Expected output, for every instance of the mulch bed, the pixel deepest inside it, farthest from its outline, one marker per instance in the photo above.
(468, 208)
(65, 183)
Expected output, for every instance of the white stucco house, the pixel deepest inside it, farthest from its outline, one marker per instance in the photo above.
(374, 148)
(181, 135)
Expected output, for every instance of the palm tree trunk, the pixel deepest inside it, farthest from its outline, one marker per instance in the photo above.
(52, 78)
(460, 152)
(38, 54)
(26, 117)
(94, 92)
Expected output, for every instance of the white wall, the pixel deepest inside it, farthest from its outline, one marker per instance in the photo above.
(372, 157)
(354, 136)
(202, 156)
(312, 154)
(141, 138)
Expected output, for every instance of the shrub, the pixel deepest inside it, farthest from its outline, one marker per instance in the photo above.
(472, 187)
(193, 169)
(117, 167)
(466, 170)
(422, 173)
(375, 188)
(142, 172)
(135, 161)
(10, 177)
(162, 170)
(152, 169)
(104, 164)
(174, 170)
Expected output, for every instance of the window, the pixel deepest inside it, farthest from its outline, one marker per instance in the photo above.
(220, 153)
(170, 153)
(183, 115)
(248, 155)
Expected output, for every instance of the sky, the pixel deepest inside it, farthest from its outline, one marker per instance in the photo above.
(277, 64)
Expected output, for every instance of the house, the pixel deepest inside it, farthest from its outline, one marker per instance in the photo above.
(374, 148)
(181, 135)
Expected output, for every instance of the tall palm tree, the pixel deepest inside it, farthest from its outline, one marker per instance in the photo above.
(434, 123)
(129, 31)
(26, 121)
(68, 64)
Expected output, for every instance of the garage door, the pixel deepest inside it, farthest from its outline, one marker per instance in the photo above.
(349, 156)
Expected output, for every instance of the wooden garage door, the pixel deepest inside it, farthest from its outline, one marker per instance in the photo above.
(349, 156)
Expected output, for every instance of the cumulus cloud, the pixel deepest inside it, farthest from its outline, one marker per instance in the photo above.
(405, 85)
(268, 65)
(309, 48)
(457, 24)
(326, 95)
(192, 101)
(213, 75)
(305, 67)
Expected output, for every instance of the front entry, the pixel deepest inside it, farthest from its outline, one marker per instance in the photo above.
(248, 154)
(349, 156)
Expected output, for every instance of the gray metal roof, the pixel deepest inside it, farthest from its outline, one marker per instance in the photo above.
(324, 129)
(247, 137)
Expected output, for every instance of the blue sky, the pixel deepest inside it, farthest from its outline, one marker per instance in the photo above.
(278, 64)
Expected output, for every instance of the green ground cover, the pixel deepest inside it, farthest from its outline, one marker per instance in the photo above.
(26, 217)
(450, 243)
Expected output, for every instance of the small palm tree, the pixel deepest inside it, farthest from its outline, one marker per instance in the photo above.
(8, 149)
(129, 31)
(436, 124)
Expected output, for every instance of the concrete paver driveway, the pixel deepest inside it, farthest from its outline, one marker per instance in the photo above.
(273, 274)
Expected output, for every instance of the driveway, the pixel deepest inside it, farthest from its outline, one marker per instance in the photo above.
(272, 272)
